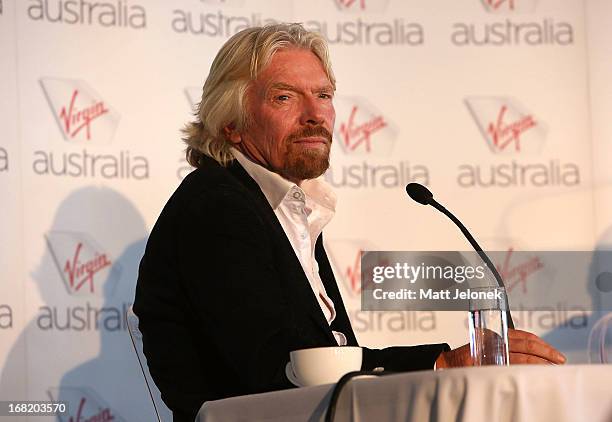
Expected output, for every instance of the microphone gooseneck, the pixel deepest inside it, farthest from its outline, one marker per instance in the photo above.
(422, 195)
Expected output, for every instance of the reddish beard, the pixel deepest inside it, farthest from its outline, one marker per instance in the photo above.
(300, 162)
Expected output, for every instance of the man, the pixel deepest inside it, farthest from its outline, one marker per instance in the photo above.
(235, 275)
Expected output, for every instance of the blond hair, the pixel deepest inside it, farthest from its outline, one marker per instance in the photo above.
(238, 63)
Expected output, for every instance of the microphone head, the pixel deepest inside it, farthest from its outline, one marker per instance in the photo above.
(419, 193)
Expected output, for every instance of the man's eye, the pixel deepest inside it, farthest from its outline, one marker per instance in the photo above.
(325, 95)
(282, 97)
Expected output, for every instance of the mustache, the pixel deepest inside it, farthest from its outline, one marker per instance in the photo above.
(309, 132)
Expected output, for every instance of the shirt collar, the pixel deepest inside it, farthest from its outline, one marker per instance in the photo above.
(275, 187)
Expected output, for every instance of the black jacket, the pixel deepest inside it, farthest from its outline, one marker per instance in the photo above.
(222, 298)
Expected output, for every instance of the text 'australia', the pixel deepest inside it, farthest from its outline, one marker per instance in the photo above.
(546, 32)
(119, 13)
(121, 165)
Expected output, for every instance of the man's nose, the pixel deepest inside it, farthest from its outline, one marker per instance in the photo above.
(312, 112)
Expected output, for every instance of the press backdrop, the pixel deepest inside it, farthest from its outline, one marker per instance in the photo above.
(500, 106)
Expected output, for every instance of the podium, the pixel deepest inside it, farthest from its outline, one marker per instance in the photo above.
(518, 393)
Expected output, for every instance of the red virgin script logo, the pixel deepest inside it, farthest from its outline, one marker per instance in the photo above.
(81, 114)
(347, 4)
(81, 273)
(496, 4)
(355, 134)
(505, 133)
(102, 415)
(84, 405)
(74, 119)
(82, 265)
(353, 274)
(509, 6)
(346, 256)
(518, 273)
(506, 125)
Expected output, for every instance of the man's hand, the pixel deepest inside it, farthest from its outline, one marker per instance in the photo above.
(525, 348)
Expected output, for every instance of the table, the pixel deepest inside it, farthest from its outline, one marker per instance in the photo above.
(510, 394)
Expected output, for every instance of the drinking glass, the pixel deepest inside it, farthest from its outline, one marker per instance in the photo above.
(488, 326)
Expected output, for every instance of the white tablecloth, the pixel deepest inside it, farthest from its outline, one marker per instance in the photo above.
(510, 394)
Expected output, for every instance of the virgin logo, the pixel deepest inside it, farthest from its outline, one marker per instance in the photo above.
(509, 6)
(504, 133)
(84, 405)
(359, 6)
(496, 4)
(354, 135)
(347, 4)
(353, 274)
(80, 113)
(74, 119)
(82, 273)
(81, 265)
(346, 256)
(506, 125)
(518, 273)
(103, 415)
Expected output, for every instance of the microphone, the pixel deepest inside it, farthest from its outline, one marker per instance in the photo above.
(422, 195)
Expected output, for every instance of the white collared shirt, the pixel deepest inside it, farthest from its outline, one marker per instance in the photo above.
(303, 211)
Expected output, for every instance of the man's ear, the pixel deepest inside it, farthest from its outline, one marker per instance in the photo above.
(232, 134)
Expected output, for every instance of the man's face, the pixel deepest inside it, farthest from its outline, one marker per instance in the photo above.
(290, 116)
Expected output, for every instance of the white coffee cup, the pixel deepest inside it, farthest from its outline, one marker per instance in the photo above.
(322, 365)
